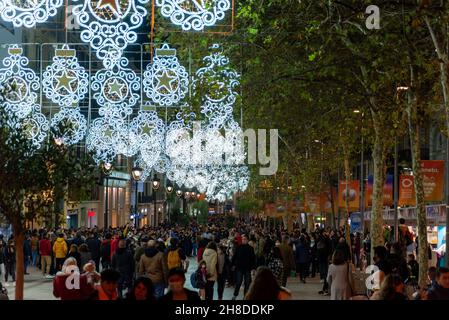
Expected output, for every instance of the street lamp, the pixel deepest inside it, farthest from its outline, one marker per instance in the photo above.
(179, 193)
(137, 175)
(155, 184)
(106, 170)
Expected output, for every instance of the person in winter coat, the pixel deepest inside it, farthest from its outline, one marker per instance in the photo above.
(222, 270)
(85, 255)
(440, 289)
(45, 253)
(60, 251)
(338, 277)
(288, 259)
(105, 252)
(63, 291)
(175, 255)
(202, 279)
(123, 262)
(94, 245)
(324, 248)
(275, 263)
(266, 287)
(210, 256)
(114, 244)
(34, 249)
(302, 258)
(26, 253)
(10, 262)
(75, 254)
(153, 265)
(244, 261)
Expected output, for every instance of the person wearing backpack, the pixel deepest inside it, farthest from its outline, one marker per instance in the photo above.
(175, 255)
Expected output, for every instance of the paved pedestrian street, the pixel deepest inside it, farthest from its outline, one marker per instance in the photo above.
(39, 288)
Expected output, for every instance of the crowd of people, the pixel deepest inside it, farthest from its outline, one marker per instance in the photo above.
(152, 263)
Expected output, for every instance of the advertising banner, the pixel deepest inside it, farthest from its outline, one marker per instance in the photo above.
(353, 194)
(433, 181)
(387, 191)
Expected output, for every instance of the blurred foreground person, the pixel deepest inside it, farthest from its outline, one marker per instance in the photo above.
(266, 287)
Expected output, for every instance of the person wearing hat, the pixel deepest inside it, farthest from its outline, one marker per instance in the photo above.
(177, 291)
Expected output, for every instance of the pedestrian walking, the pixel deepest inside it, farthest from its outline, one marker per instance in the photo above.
(45, 253)
(339, 277)
(153, 265)
(60, 251)
(123, 262)
(244, 262)
(210, 257)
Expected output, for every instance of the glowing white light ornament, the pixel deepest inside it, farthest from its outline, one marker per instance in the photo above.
(217, 80)
(36, 127)
(69, 125)
(101, 139)
(194, 14)
(65, 82)
(125, 140)
(117, 87)
(165, 81)
(20, 81)
(28, 13)
(149, 130)
(109, 24)
(178, 140)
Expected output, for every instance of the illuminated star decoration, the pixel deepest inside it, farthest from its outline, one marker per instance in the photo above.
(73, 124)
(165, 81)
(28, 13)
(194, 17)
(112, 4)
(22, 82)
(64, 81)
(116, 87)
(110, 25)
(17, 87)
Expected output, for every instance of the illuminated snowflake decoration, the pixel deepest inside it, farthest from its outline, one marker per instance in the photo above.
(28, 13)
(149, 131)
(69, 125)
(165, 81)
(21, 83)
(216, 82)
(116, 87)
(109, 24)
(194, 14)
(65, 82)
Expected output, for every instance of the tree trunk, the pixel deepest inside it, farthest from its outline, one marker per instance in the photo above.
(414, 130)
(377, 220)
(19, 237)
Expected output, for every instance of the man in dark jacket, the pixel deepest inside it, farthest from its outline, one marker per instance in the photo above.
(106, 252)
(123, 262)
(244, 261)
(94, 245)
(288, 259)
(26, 253)
(440, 290)
(324, 250)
